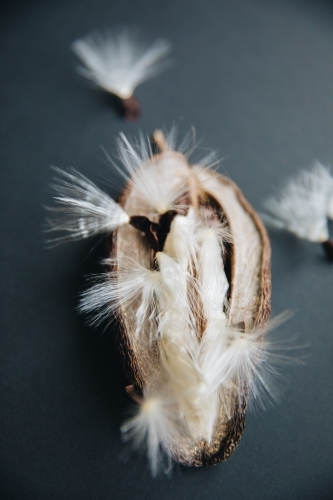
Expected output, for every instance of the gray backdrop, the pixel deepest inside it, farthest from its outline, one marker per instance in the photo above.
(255, 78)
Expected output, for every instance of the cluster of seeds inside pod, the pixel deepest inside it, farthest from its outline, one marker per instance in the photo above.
(184, 235)
(189, 295)
(169, 282)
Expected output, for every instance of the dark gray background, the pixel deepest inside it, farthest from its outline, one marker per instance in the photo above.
(256, 80)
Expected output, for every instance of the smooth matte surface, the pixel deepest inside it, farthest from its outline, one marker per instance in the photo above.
(255, 78)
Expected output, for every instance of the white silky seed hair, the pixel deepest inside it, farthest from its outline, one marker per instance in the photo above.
(153, 429)
(118, 61)
(325, 176)
(157, 182)
(116, 288)
(83, 209)
(303, 205)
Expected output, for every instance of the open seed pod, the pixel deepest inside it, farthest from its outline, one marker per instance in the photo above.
(188, 276)
(244, 258)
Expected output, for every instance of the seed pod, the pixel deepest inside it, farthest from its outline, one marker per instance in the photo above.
(246, 261)
(189, 278)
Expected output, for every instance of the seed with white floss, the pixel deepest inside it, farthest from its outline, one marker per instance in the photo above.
(84, 209)
(117, 288)
(118, 62)
(254, 364)
(301, 207)
(153, 428)
(156, 182)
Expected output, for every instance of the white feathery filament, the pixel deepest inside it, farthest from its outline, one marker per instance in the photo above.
(83, 209)
(153, 429)
(155, 181)
(303, 205)
(119, 62)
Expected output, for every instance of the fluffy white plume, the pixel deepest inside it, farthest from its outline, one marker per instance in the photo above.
(251, 365)
(303, 205)
(84, 210)
(127, 285)
(154, 428)
(153, 292)
(119, 62)
(322, 177)
(157, 182)
(254, 361)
